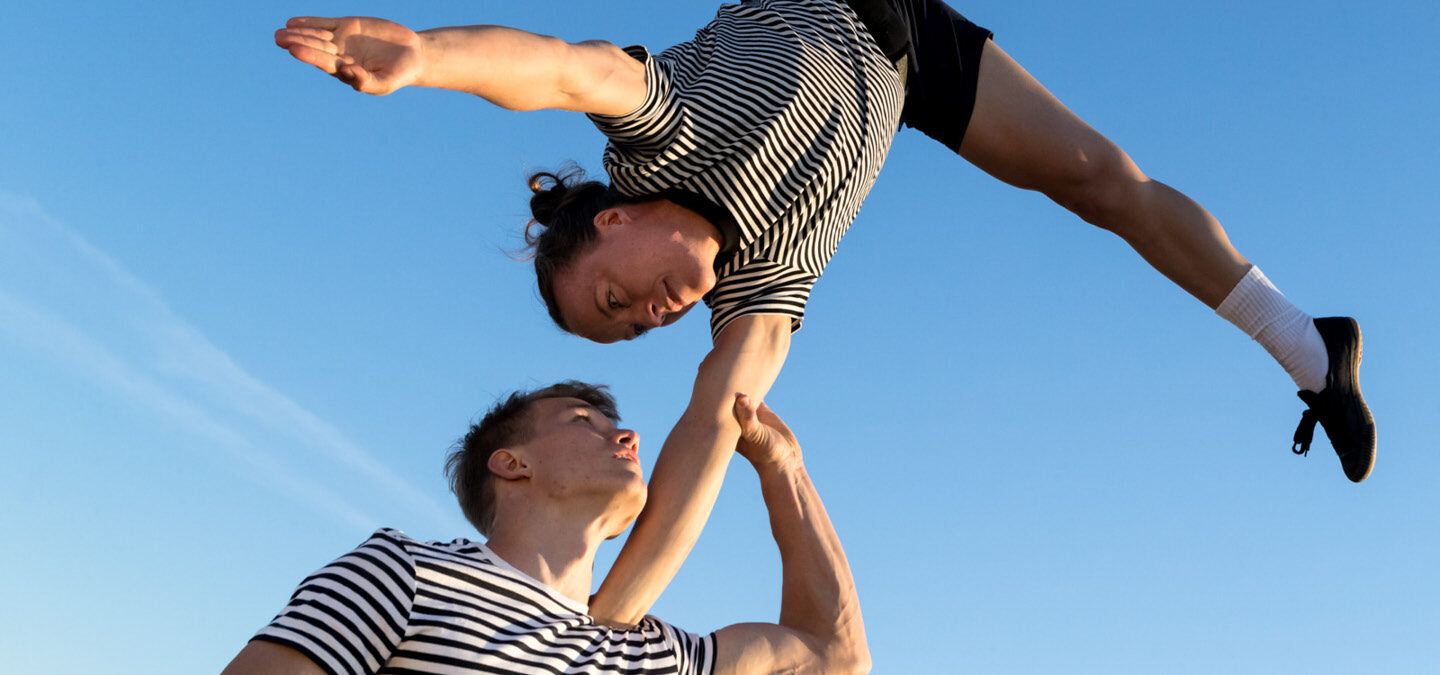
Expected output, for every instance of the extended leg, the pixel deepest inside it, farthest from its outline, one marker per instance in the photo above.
(1023, 135)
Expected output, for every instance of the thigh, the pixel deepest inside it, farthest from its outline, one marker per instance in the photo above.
(946, 50)
(1020, 133)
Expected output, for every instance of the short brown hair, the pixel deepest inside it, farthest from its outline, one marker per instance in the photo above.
(468, 466)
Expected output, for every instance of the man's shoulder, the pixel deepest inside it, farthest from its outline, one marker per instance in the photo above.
(458, 550)
(395, 537)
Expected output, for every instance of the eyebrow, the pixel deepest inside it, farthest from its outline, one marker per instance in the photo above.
(590, 410)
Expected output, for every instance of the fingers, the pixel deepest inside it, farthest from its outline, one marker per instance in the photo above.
(323, 23)
(359, 78)
(745, 415)
(323, 40)
(310, 46)
(325, 61)
(754, 428)
(314, 47)
(771, 423)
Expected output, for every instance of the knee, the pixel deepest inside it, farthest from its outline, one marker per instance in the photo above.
(1103, 187)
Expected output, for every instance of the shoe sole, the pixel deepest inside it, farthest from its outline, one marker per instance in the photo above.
(1344, 327)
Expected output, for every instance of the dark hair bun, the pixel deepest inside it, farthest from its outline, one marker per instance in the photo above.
(554, 192)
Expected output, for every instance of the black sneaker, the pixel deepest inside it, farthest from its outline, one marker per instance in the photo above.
(1339, 407)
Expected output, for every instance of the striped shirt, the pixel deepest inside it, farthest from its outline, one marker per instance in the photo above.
(779, 113)
(396, 605)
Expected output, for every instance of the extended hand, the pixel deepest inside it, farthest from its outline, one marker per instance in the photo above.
(374, 56)
(764, 438)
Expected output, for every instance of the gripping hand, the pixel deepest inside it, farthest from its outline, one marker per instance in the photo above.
(764, 438)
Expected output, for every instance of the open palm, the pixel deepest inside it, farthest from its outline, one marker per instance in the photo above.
(374, 56)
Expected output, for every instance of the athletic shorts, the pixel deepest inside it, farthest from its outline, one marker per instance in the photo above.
(943, 69)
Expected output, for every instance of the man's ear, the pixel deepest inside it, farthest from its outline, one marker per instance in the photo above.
(508, 465)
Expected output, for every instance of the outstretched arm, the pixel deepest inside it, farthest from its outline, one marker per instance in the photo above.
(820, 628)
(746, 358)
(508, 67)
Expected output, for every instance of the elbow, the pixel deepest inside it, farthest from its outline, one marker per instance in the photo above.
(848, 651)
(848, 660)
(846, 654)
(861, 666)
(857, 659)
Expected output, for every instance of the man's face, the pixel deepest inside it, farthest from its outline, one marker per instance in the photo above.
(575, 451)
(636, 276)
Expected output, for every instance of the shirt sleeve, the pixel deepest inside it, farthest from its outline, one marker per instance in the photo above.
(639, 137)
(349, 616)
(692, 654)
(760, 287)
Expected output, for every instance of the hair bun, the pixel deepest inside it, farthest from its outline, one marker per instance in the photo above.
(554, 192)
(549, 192)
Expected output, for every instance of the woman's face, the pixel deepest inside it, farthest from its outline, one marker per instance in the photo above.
(636, 276)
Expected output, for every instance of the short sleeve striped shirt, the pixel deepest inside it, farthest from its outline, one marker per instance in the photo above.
(781, 113)
(398, 605)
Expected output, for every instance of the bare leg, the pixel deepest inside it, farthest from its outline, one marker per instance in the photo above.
(1021, 134)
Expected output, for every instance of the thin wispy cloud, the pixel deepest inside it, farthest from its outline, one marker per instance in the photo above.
(65, 299)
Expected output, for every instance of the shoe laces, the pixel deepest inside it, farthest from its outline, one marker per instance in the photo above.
(1304, 433)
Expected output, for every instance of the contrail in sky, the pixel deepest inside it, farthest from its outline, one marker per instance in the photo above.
(62, 297)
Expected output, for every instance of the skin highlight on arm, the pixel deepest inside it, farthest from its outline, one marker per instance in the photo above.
(517, 70)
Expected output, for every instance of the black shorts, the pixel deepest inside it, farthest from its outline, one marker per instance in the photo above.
(944, 51)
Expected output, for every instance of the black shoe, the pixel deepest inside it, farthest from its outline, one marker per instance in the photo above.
(1339, 407)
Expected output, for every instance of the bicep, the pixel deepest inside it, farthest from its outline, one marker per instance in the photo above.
(601, 78)
(764, 648)
(267, 658)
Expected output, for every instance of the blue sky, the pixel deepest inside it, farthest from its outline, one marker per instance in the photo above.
(244, 311)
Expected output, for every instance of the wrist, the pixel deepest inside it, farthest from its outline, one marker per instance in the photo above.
(428, 47)
(779, 469)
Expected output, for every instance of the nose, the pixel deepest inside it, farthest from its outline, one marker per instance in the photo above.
(654, 318)
(628, 438)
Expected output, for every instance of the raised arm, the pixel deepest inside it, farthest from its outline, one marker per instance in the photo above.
(820, 628)
(746, 358)
(510, 68)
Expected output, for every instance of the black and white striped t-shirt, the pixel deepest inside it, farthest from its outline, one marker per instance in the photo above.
(780, 112)
(398, 605)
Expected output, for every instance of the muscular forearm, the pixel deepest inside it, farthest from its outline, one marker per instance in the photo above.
(518, 70)
(691, 467)
(818, 598)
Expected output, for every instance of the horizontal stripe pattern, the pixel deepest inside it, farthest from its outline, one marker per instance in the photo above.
(395, 605)
(780, 111)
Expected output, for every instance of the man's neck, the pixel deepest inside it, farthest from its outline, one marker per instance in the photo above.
(557, 550)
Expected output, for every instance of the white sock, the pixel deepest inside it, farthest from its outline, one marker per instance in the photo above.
(1258, 308)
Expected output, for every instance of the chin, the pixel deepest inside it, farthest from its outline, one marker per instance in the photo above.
(636, 499)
